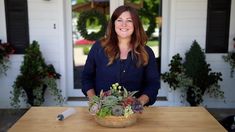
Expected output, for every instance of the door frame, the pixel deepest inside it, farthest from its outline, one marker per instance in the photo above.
(70, 91)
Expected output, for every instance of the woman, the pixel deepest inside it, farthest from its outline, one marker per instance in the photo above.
(123, 57)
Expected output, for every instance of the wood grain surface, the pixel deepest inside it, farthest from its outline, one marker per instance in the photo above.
(153, 119)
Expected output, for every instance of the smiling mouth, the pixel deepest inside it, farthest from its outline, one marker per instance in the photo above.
(124, 30)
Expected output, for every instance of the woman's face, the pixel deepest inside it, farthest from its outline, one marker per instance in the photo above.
(124, 26)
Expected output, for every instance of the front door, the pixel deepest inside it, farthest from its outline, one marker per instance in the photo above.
(149, 16)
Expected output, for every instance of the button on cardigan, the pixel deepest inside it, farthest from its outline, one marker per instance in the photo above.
(98, 75)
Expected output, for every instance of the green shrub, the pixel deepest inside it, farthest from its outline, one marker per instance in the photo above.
(34, 78)
(194, 76)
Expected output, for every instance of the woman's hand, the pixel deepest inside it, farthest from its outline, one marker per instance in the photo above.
(144, 99)
(90, 93)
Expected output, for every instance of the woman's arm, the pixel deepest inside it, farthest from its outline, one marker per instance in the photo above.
(151, 80)
(89, 71)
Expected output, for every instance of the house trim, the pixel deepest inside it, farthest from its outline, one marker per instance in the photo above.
(3, 34)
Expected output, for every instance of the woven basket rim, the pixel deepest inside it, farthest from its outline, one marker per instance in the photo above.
(116, 121)
(112, 116)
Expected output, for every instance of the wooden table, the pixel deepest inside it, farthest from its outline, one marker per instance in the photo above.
(154, 119)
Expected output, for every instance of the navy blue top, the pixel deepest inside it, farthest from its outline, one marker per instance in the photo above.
(98, 75)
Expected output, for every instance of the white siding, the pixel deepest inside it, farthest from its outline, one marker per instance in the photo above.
(46, 25)
(187, 22)
(190, 24)
(183, 22)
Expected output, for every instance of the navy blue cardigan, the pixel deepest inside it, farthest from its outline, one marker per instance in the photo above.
(98, 75)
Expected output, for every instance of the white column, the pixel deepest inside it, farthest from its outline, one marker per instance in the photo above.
(114, 4)
(232, 25)
(3, 35)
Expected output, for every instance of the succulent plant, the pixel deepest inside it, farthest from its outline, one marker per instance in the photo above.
(110, 101)
(116, 102)
(117, 110)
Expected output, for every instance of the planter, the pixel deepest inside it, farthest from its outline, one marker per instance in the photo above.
(116, 121)
(34, 100)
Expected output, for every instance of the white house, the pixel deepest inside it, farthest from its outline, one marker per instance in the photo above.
(182, 22)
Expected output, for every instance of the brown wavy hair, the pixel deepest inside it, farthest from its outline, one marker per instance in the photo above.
(138, 38)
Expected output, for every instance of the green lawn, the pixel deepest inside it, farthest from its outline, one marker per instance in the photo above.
(82, 46)
(153, 43)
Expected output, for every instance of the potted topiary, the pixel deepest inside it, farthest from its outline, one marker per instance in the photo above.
(34, 78)
(194, 76)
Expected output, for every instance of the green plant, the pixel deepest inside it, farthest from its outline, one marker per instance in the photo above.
(146, 15)
(115, 102)
(5, 51)
(194, 76)
(176, 77)
(230, 58)
(35, 76)
(82, 24)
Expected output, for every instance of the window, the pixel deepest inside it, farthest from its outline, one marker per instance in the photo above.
(17, 24)
(218, 19)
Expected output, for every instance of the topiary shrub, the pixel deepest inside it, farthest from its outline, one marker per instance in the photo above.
(35, 76)
(194, 76)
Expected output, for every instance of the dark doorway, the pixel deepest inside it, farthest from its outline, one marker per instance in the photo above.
(218, 19)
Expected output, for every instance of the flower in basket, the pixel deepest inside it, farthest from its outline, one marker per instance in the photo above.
(115, 102)
(5, 51)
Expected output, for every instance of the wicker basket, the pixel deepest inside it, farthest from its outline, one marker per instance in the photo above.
(116, 121)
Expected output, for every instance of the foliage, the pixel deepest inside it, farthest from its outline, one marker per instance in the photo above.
(200, 72)
(144, 13)
(150, 5)
(116, 102)
(176, 77)
(91, 15)
(81, 1)
(230, 58)
(194, 76)
(35, 76)
(5, 51)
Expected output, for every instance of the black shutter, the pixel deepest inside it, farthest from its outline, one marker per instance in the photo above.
(17, 24)
(218, 19)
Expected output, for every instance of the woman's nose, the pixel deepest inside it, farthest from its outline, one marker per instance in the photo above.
(124, 23)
